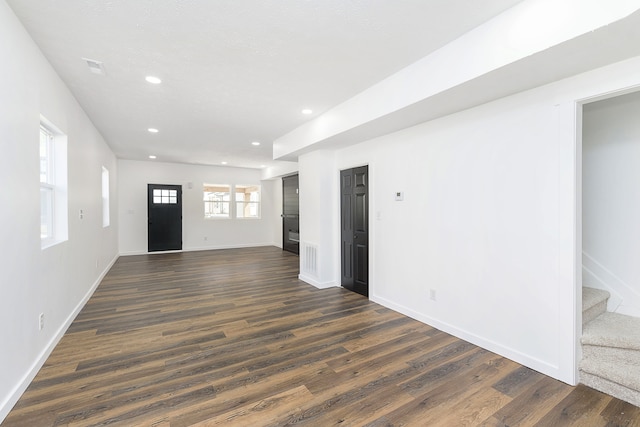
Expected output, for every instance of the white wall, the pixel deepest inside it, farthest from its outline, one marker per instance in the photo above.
(478, 225)
(58, 280)
(611, 200)
(318, 203)
(489, 219)
(219, 233)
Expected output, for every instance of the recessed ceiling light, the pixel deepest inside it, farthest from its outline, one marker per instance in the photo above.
(256, 143)
(152, 156)
(224, 163)
(263, 166)
(307, 111)
(153, 130)
(153, 79)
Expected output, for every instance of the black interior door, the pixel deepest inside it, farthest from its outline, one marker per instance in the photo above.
(290, 214)
(354, 213)
(164, 213)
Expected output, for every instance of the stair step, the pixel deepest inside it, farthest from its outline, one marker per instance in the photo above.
(594, 303)
(610, 348)
(593, 296)
(613, 330)
(622, 382)
(610, 387)
(619, 356)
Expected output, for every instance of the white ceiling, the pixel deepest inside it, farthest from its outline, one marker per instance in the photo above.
(233, 71)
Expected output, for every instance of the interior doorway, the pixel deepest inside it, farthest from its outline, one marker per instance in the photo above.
(354, 226)
(164, 217)
(291, 214)
(610, 206)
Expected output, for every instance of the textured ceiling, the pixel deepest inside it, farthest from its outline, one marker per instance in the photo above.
(233, 72)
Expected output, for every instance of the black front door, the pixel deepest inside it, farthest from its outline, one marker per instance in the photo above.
(164, 213)
(354, 213)
(290, 214)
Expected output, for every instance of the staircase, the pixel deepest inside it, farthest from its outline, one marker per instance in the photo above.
(610, 348)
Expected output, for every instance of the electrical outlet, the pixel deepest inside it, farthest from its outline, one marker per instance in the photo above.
(41, 322)
(432, 294)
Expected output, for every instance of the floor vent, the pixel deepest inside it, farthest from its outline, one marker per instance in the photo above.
(310, 259)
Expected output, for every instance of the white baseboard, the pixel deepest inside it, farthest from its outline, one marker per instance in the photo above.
(22, 385)
(199, 248)
(510, 353)
(218, 247)
(316, 283)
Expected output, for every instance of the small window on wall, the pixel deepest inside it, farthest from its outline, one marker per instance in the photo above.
(162, 196)
(47, 185)
(53, 185)
(105, 197)
(247, 201)
(217, 200)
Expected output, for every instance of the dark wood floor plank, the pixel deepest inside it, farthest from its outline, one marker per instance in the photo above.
(436, 402)
(232, 337)
(263, 412)
(520, 379)
(621, 414)
(532, 403)
(581, 407)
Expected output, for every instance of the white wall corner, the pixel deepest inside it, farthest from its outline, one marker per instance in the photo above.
(318, 284)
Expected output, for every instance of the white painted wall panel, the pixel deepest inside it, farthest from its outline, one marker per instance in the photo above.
(318, 222)
(55, 281)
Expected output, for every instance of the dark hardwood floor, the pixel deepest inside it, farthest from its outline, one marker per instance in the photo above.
(232, 337)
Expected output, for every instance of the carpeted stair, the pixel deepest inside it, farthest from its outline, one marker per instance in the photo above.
(610, 349)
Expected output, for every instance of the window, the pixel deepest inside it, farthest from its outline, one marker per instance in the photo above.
(47, 184)
(105, 197)
(247, 199)
(53, 185)
(162, 196)
(217, 200)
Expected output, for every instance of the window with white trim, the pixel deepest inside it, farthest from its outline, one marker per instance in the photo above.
(217, 200)
(247, 198)
(53, 185)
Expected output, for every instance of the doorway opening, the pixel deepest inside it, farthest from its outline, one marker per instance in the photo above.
(290, 214)
(610, 206)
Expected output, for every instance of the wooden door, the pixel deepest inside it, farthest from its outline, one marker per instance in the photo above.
(354, 213)
(290, 214)
(164, 214)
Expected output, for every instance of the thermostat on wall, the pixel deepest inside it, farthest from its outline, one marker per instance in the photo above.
(399, 196)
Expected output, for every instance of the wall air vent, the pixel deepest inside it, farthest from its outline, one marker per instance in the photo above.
(95, 67)
(309, 255)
